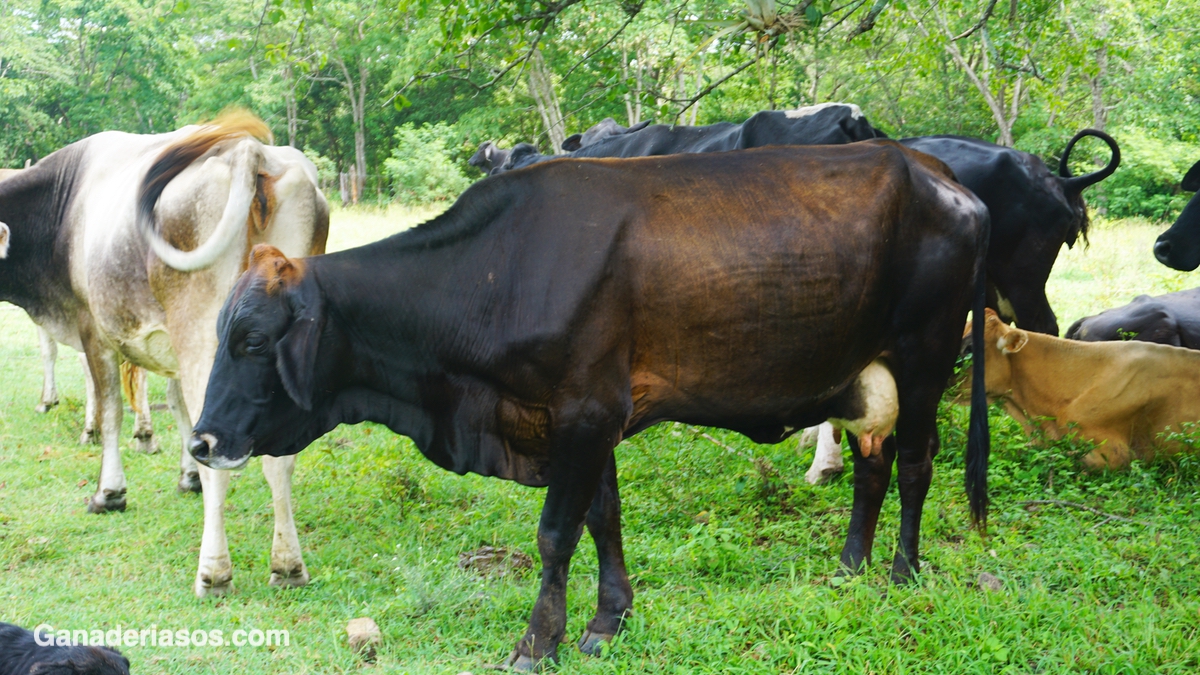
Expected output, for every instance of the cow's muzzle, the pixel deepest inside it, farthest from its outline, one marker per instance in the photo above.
(203, 448)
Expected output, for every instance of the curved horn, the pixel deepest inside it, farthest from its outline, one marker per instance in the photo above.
(1078, 183)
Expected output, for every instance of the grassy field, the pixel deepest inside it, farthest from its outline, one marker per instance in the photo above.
(732, 554)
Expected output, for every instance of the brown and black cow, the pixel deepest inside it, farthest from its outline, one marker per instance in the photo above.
(554, 311)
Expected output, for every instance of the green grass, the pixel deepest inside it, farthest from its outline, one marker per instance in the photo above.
(733, 566)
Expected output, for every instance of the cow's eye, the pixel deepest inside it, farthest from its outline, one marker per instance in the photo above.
(256, 343)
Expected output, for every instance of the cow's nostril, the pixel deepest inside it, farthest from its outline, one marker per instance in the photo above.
(1162, 250)
(201, 446)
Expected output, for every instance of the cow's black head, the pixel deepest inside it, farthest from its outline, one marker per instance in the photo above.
(260, 397)
(1179, 246)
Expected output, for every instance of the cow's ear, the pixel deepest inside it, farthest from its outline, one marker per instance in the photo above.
(3, 241)
(296, 353)
(1191, 180)
(1013, 341)
(573, 143)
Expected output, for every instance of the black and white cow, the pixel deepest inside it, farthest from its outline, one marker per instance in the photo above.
(1179, 247)
(87, 262)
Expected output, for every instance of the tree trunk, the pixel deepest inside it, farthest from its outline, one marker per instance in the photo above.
(981, 79)
(1099, 110)
(290, 102)
(357, 93)
(699, 88)
(541, 87)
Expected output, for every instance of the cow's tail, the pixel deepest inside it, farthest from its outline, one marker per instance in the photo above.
(1076, 184)
(242, 188)
(979, 442)
(131, 383)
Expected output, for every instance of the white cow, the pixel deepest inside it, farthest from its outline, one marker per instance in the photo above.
(124, 246)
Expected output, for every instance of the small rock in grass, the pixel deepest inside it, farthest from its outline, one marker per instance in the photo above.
(494, 561)
(989, 582)
(364, 635)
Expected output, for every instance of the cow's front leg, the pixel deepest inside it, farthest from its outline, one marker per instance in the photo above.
(104, 365)
(134, 379)
(49, 350)
(614, 595)
(189, 474)
(287, 560)
(578, 460)
(871, 477)
(91, 426)
(215, 575)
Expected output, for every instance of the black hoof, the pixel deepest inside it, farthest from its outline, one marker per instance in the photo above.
(526, 664)
(592, 643)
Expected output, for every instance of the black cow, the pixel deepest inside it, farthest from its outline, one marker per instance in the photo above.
(1171, 319)
(1034, 213)
(21, 654)
(1179, 247)
(488, 157)
(824, 124)
(523, 335)
(603, 129)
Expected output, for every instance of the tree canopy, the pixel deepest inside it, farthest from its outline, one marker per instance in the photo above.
(343, 79)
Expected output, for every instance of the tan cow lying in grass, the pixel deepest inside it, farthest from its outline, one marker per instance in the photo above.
(1121, 395)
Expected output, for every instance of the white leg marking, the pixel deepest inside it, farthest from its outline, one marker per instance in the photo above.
(287, 561)
(215, 574)
(827, 460)
(49, 349)
(189, 475)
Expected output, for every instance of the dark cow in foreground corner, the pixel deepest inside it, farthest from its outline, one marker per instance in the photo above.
(1179, 247)
(1034, 212)
(1171, 319)
(23, 652)
(521, 335)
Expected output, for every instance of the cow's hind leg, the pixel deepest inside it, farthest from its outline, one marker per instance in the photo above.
(287, 560)
(917, 444)
(104, 366)
(579, 455)
(871, 477)
(827, 458)
(133, 381)
(189, 474)
(49, 350)
(615, 595)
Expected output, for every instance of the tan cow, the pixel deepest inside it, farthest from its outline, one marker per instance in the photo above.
(1121, 395)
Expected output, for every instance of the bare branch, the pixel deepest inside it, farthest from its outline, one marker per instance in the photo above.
(987, 14)
(595, 51)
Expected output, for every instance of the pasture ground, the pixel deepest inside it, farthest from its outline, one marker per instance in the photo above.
(733, 555)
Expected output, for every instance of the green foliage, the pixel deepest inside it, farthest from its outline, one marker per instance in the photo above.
(420, 167)
(1147, 182)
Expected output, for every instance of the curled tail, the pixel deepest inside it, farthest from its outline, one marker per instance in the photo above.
(979, 441)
